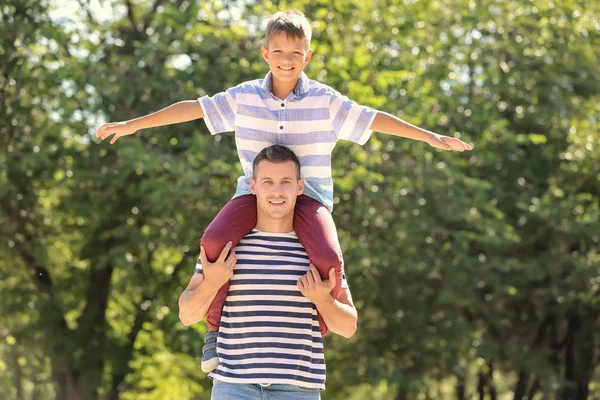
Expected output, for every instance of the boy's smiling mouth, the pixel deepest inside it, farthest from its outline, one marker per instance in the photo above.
(286, 69)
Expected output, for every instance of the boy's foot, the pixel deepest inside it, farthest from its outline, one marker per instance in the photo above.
(210, 361)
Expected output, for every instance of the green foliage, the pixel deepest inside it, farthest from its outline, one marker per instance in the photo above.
(474, 273)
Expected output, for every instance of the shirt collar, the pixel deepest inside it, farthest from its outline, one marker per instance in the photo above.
(300, 89)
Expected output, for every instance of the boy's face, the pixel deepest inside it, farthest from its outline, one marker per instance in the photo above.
(276, 186)
(287, 56)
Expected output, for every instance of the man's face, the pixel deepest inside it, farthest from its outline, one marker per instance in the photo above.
(276, 186)
(287, 56)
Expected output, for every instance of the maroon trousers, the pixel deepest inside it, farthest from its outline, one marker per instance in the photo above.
(313, 225)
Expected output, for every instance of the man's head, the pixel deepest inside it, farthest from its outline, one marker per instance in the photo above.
(287, 50)
(276, 183)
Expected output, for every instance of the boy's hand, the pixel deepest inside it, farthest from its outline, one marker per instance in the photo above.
(448, 143)
(218, 273)
(313, 288)
(119, 129)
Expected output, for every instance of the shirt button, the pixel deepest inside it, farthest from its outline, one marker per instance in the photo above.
(281, 127)
(282, 104)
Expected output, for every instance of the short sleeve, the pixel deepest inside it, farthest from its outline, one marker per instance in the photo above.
(344, 280)
(219, 111)
(350, 121)
(198, 268)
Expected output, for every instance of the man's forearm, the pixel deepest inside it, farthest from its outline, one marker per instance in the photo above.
(386, 123)
(183, 111)
(340, 318)
(194, 304)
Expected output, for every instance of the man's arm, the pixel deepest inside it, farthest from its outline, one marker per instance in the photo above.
(195, 300)
(386, 123)
(201, 290)
(182, 111)
(339, 315)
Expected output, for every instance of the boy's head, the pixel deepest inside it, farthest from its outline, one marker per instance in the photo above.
(276, 183)
(291, 22)
(287, 50)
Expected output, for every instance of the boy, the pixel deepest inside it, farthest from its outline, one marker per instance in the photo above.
(289, 109)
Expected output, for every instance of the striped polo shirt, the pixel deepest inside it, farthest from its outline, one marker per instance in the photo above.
(309, 121)
(269, 331)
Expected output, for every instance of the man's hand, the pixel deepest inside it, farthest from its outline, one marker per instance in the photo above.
(447, 143)
(313, 288)
(119, 129)
(218, 273)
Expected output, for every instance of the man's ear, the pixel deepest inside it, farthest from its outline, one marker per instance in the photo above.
(300, 186)
(265, 53)
(253, 186)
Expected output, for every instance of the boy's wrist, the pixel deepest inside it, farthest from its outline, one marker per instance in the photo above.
(134, 124)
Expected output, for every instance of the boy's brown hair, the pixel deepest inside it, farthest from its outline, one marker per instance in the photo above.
(292, 23)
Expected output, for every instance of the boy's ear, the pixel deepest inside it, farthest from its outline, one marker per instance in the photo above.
(300, 186)
(253, 186)
(265, 53)
(307, 57)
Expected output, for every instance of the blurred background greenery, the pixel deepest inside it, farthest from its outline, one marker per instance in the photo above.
(476, 275)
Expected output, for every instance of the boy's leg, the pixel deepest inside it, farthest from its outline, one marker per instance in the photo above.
(316, 231)
(233, 222)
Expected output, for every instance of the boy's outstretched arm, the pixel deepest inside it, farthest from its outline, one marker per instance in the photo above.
(182, 111)
(386, 123)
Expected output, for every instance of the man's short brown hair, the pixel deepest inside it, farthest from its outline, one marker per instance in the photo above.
(292, 23)
(276, 154)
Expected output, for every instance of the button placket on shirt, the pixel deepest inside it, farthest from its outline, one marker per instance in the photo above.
(282, 117)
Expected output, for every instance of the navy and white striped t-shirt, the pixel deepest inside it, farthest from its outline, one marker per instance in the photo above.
(269, 331)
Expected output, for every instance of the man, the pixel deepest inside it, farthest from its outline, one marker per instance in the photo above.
(269, 339)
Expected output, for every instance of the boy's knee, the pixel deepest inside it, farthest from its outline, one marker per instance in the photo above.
(327, 259)
(213, 243)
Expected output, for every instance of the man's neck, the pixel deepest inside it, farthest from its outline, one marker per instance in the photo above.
(275, 225)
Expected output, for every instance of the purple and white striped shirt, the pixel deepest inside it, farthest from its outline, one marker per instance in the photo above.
(309, 121)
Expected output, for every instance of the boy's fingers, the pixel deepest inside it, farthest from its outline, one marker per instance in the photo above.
(224, 252)
(114, 139)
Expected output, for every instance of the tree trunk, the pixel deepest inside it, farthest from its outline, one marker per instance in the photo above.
(92, 332)
(66, 383)
(461, 388)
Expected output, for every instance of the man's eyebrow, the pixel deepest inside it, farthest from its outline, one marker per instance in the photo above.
(270, 178)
